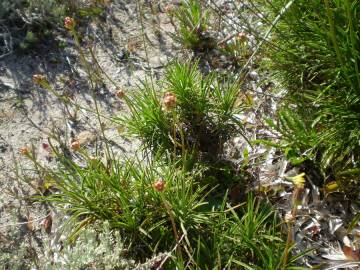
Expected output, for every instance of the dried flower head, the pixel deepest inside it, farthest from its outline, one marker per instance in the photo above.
(69, 23)
(159, 185)
(120, 93)
(45, 146)
(39, 78)
(24, 151)
(75, 145)
(47, 224)
(168, 8)
(169, 100)
(93, 158)
(30, 224)
(289, 217)
(241, 36)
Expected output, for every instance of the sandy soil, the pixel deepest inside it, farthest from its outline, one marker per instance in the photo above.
(126, 52)
(128, 49)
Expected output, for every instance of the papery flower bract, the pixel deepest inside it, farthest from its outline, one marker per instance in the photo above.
(120, 93)
(47, 224)
(241, 36)
(93, 158)
(169, 100)
(169, 8)
(69, 23)
(24, 151)
(159, 185)
(38, 78)
(75, 145)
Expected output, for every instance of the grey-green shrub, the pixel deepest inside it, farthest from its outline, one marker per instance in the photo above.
(96, 248)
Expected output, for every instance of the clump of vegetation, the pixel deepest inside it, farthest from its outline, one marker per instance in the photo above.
(173, 212)
(160, 208)
(145, 203)
(317, 58)
(191, 112)
(33, 22)
(30, 22)
(193, 21)
(163, 205)
(97, 247)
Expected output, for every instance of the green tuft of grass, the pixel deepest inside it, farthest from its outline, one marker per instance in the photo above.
(159, 207)
(193, 21)
(124, 194)
(200, 120)
(317, 58)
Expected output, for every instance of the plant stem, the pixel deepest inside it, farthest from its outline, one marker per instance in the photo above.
(173, 224)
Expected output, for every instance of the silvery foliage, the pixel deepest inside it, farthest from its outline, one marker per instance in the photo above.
(91, 250)
(102, 250)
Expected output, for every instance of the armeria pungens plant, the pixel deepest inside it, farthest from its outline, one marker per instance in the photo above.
(186, 112)
(151, 205)
(158, 207)
(193, 19)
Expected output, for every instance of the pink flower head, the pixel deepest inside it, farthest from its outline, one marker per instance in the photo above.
(120, 93)
(159, 185)
(75, 145)
(46, 147)
(69, 23)
(241, 36)
(24, 151)
(169, 8)
(169, 100)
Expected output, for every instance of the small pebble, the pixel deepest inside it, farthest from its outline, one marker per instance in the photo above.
(254, 75)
